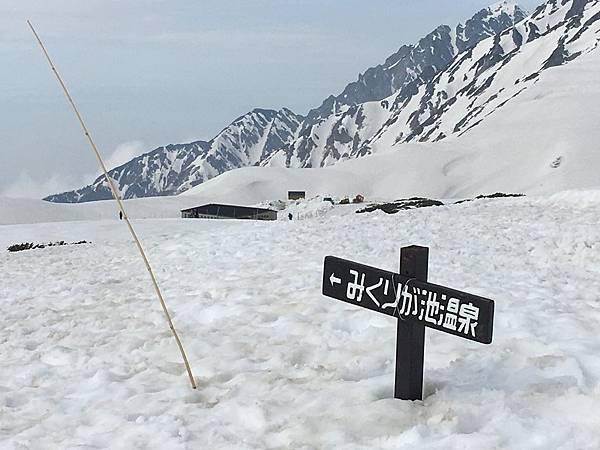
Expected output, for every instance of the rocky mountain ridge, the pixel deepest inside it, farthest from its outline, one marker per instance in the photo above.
(175, 168)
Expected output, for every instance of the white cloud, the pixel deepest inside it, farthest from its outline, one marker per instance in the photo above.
(124, 152)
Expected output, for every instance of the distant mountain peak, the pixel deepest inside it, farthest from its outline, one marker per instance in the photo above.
(488, 22)
(175, 168)
(504, 6)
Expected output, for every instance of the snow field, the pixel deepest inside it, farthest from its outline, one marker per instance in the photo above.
(26, 211)
(88, 362)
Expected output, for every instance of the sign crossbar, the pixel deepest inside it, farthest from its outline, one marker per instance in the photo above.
(407, 298)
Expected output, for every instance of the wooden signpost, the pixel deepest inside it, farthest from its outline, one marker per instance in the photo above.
(415, 303)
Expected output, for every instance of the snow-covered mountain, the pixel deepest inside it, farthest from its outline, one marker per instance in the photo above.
(414, 64)
(172, 169)
(519, 114)
(461, 86)
(483, 80)
(264, 137)
(478, 83)
(348, 120)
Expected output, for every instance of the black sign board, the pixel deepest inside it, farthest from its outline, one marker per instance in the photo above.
(441, 308)
(415, 302)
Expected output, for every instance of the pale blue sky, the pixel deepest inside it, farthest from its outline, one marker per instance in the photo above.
(154, 72)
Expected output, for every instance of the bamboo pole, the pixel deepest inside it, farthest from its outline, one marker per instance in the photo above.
(115, 194)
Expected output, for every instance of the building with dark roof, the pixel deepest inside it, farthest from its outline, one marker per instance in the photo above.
(296, 195)
(219, 211)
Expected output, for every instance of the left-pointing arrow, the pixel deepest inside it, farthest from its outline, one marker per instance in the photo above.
(334, 280)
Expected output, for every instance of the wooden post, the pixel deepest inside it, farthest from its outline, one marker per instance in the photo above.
(410, 337)
(116, 196)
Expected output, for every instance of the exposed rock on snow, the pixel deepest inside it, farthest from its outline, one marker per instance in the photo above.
(496, 195)
(32, 246)
(401, 205)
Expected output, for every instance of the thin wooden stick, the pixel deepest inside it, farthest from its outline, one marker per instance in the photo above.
(121, 208)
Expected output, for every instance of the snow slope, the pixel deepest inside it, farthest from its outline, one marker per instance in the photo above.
(87, 361)
(482, 81)
(553, 141)
(418, 170)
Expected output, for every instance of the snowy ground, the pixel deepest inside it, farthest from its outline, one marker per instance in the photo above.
(15, 211)
(87, 361)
